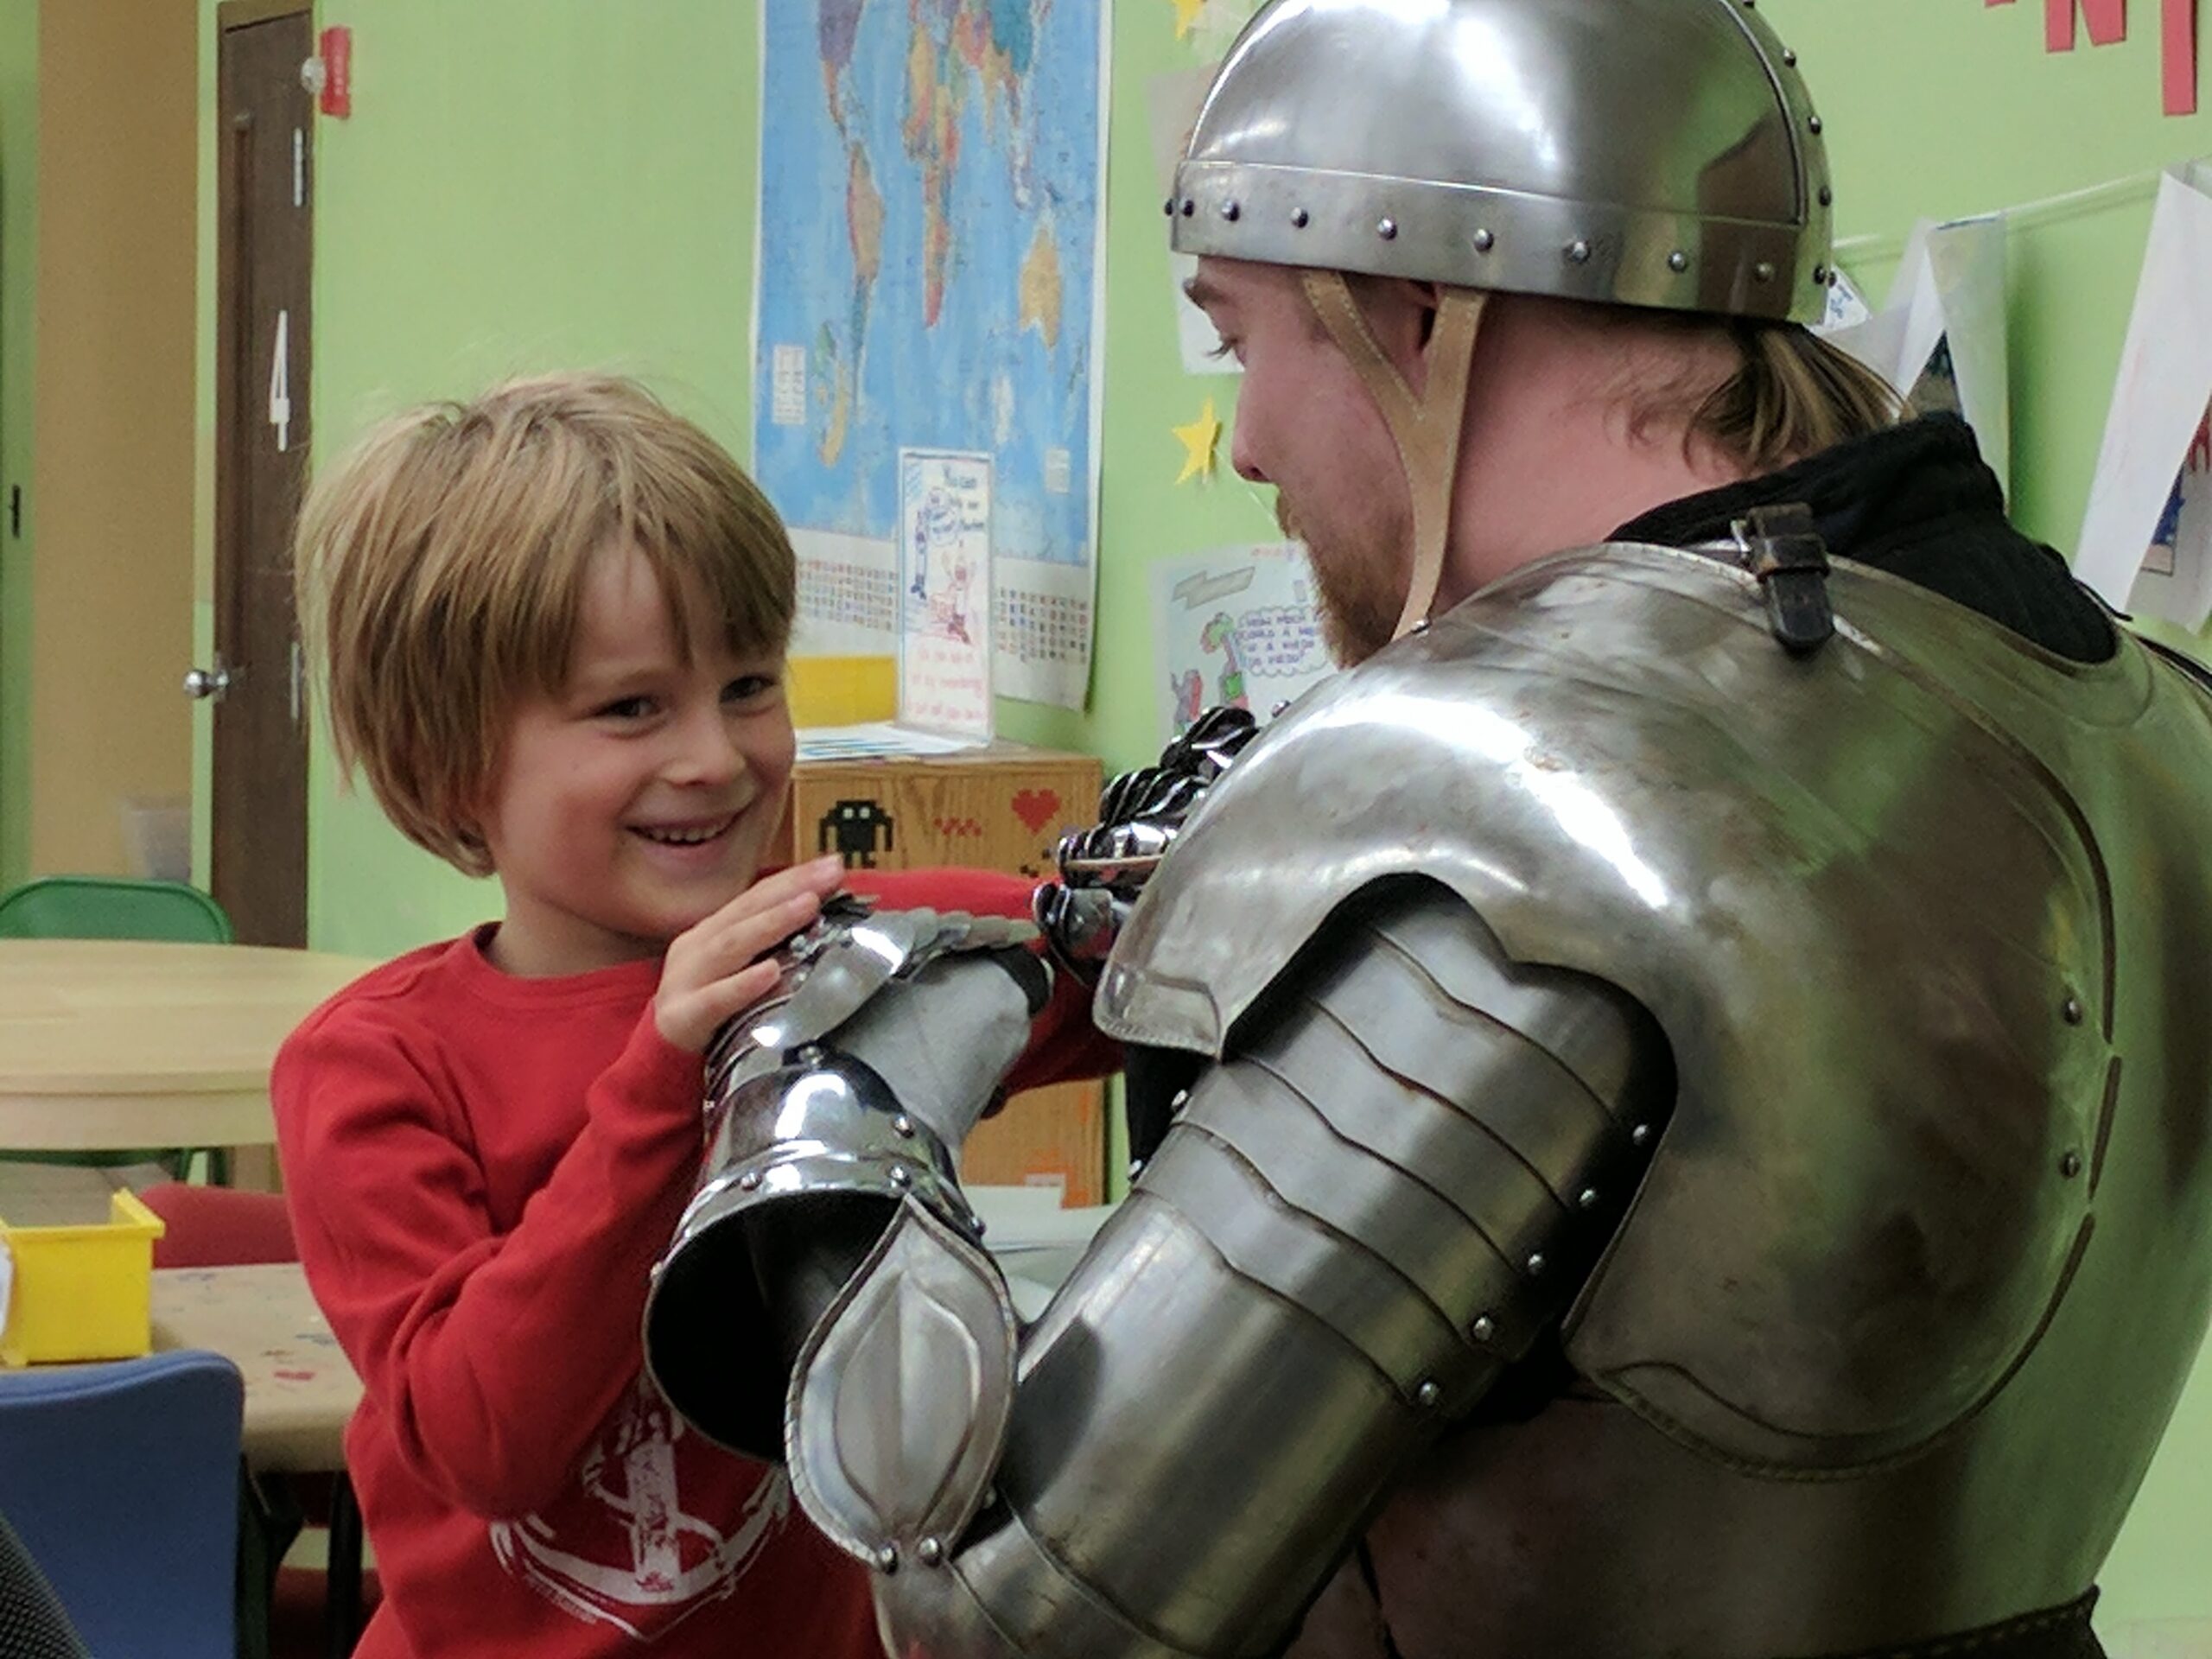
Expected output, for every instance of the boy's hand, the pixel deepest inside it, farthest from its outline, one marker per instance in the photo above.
(712, 969)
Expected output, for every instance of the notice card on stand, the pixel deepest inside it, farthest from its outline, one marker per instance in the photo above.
(944, 592)
(2147, 539)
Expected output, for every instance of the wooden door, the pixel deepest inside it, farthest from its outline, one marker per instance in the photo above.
(265, 158)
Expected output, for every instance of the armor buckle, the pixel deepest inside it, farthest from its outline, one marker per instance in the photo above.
(1780, 546)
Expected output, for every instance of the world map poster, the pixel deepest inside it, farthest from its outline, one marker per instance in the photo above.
(931, 242)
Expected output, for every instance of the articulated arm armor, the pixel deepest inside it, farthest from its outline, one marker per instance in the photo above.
(1397, 1178)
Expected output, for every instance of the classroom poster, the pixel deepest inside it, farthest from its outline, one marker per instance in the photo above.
(935, 279)
(1236, 627)
(2146, 537)
(944, 587)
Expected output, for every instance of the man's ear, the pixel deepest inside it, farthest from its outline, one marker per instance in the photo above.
(1401, 313)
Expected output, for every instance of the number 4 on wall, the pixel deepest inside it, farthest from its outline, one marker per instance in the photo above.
(2107, 22)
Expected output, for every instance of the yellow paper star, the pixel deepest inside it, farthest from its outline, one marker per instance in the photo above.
(1199, 440)
(1186, 14)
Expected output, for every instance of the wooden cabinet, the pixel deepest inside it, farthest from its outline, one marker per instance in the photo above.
(1000, 808)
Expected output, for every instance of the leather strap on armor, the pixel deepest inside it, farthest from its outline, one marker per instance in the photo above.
(1424, 425)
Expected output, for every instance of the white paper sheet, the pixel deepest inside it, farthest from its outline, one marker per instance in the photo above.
(873, 740)
(1172, 105)
(1940, 337)
(1235, 627)
(2146, 537)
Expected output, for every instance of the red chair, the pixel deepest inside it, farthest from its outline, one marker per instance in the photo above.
(310, 1613)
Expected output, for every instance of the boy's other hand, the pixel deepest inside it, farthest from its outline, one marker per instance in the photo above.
(713, 968)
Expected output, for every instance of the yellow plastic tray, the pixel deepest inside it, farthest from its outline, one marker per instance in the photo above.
(81, 1293)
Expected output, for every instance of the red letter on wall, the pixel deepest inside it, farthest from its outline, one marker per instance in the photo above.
(2107, 23)
(2180, 42)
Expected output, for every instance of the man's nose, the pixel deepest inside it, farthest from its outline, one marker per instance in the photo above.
(1243, 456)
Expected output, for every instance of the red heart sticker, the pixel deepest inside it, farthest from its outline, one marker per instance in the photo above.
(1036, 807)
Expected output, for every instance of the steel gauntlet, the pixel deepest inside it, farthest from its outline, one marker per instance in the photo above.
(1103, 869)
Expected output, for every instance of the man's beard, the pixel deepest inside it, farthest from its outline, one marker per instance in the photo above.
(1359, 613)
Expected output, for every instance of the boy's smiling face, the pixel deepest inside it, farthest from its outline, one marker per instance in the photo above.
(640, 799)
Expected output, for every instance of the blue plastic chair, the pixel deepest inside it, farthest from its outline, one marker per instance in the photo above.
(118, 907)
(122, 1481)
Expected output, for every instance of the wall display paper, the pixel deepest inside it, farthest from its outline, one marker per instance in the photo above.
(2146, 537)
(1235, 627)
(951, 298)
(1172, 102)
(945, 590)
(1940, 336)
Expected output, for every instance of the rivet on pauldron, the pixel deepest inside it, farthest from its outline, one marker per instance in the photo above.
(1640, 1135)
(1170, 208)
(1387, 230)
(900, 1176)
(2072, 1010)
(1827, 196)
(1820, 276)
(1536, 1264)
(2070, 1164)
(928, 1552)
(1299, 219)
(1189, 207)
(1136, 1167)
(903, 1124)
(1814, 122)
(1589, 1198)
(1484, 240)
(1428, 1393)
(1578, 251)
(1678, 261)
(887, 1559)
(749, 1182)
(1482, 1329)
(1230, 212)
(1788, 58)
(1763, 270)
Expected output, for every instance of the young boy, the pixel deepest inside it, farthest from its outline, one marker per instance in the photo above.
(555, 621)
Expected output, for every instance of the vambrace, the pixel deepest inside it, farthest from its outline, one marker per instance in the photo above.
(1398, 1178)
(833, 1105)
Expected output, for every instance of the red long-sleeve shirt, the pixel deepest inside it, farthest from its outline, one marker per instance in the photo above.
(482, 1169)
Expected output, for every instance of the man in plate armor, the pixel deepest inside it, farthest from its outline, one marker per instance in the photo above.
(1682, 1124)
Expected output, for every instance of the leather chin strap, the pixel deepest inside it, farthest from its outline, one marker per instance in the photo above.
(1425, 426)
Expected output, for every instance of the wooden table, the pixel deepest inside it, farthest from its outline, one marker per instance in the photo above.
(111, 1043)
(300, 1391)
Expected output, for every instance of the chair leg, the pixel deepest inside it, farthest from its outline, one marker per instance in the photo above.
(344, 1612)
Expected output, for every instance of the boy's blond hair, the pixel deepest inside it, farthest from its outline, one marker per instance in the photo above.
(441, 567)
